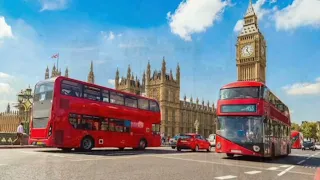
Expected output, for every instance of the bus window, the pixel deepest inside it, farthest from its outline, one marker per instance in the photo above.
(131, 101)
(143, 104)
(43, 91)
(237, 93)
(154, 106)
(91, 93)
(116, 98)
(156, 128)
(70, 88)
(105, 96)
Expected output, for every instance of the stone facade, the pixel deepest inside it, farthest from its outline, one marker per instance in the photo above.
(178, 116)
(251, 50)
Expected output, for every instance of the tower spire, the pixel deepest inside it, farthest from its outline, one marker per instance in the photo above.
(91, 74)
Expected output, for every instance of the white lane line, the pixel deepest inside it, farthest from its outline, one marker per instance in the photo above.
(299, 154)
(284, 166)
(110, 158)
(272, 168)
(228, 164)
(253, 172)
(226, 177)
(302, 161)
(2, 164)
(286, 170)
(57, 155)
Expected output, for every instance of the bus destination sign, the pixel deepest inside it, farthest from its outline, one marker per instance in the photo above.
(238, 108)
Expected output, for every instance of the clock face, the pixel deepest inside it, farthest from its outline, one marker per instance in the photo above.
(247, 50)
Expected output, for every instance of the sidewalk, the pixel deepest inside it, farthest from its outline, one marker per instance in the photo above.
(18, 146)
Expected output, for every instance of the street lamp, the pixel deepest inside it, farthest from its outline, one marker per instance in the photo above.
(25, 105)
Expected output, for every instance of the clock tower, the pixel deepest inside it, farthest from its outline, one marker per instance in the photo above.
(251, 50)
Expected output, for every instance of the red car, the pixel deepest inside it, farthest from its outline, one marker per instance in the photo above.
(193, 141)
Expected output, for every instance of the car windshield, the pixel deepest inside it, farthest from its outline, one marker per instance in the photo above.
(239, 93)
(184, 136)
(241, 129)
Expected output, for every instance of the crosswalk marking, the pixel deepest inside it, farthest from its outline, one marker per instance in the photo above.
(272, 168)
(284, 166)
(253, 172)
(226, 177)
(300, 162)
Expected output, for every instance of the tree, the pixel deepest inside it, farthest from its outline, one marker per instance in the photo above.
(295, 127)
(309, 130)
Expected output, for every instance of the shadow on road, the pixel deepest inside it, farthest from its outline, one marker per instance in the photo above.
(116, 152)
(296, 160)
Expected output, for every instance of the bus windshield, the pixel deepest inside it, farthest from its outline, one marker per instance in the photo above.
(241, 129)
(43, 91)
(239, 93)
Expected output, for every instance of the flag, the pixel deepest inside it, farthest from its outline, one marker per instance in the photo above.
(55, 56)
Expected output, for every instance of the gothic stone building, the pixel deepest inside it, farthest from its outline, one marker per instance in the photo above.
(177, 116)
(251, 50)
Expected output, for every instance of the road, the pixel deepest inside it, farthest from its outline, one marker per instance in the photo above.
(156, 163)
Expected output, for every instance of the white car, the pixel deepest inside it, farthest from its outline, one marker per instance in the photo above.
(317, 145)
(212, 140)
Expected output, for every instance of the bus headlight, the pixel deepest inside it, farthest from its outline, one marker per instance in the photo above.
(256, 148)
(218, 145)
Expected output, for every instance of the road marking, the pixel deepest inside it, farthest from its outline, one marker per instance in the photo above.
(57, 155)
(284, 166)
(300, 162)
(227, 164)
(286, 170)
(272, 168)
(2, 164)
(226, 177)
(253, 172)
(110, 158)
(300, 154)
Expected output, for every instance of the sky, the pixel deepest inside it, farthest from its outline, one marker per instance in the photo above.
(200, 35)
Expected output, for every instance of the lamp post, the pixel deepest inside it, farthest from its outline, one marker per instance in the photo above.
(196, 125)
(25, 105)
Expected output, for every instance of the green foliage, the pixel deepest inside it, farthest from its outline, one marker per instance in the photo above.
(295, 127)
(309, 130)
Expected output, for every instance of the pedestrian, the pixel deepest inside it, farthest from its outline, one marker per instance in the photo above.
(19, 134)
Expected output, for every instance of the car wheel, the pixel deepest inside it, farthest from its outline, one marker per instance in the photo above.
(178, 149)
(209, 149)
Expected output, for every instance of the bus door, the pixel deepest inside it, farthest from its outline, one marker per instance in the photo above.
(266, 137)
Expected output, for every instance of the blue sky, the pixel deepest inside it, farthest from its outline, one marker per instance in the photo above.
(199, 35)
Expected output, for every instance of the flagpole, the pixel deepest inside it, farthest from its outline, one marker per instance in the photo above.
(58, 62)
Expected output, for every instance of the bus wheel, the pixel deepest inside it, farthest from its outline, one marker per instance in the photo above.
(142, 144)
(87, 143)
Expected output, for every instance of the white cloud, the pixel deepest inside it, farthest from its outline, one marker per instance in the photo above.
(110, 36)
(195, 16)
(300, 13)
(305, 88)
(260, 12)
(111, 81)
(273, 1)
(4, 75)
(5, 88)
(51, 5)
(5, 29)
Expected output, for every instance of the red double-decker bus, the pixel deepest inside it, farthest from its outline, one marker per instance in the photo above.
(68, 114)
(296, 139)
(252, 121)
